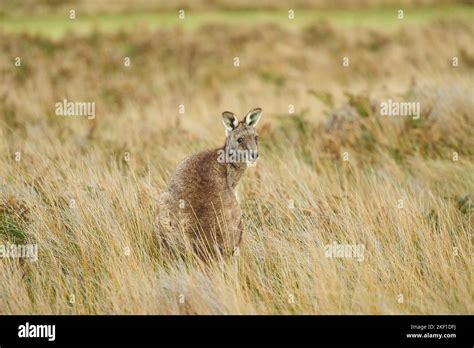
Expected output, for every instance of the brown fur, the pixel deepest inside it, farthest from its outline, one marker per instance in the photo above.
(200, 208)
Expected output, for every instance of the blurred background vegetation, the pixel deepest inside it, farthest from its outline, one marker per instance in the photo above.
(50, 17)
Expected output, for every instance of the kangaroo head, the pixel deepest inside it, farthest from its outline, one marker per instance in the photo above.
(242, 138)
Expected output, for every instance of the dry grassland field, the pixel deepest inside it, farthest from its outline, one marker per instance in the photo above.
(361, 199)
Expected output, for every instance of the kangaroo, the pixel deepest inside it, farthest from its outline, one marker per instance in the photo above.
(200, 209)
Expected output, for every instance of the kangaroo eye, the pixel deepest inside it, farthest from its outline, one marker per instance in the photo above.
(240, 140)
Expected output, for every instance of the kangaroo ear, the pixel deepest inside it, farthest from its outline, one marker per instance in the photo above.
(253, 116)
(230, 120)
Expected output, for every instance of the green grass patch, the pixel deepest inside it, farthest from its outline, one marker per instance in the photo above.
(60, 25)
(11, 229)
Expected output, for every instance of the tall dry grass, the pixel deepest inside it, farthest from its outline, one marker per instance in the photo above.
(100, 251)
